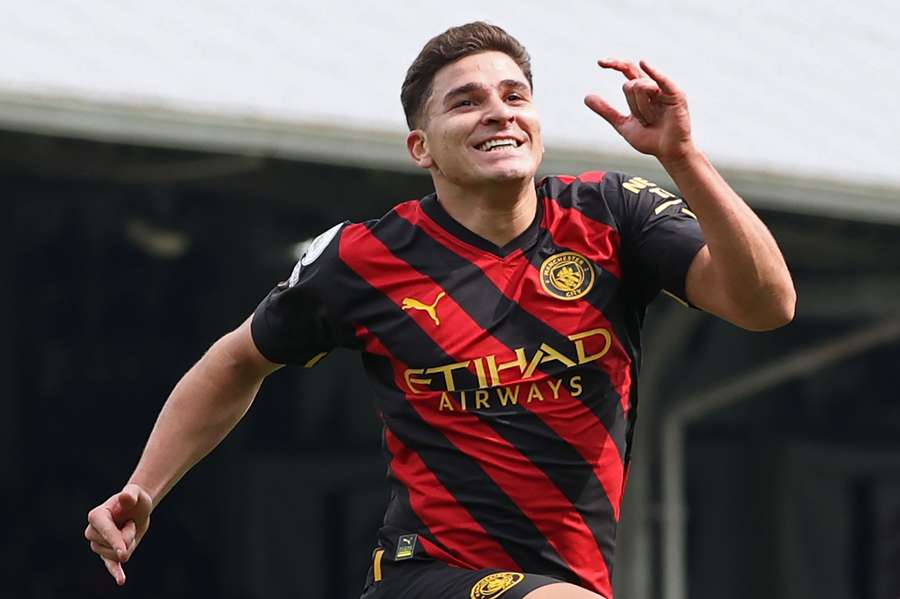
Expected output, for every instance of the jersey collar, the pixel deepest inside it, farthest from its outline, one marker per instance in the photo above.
(433, 208)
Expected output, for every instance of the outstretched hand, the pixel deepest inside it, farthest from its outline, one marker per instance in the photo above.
(116, 526)
(659, 123)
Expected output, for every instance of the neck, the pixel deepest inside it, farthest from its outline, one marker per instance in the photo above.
(498, 213)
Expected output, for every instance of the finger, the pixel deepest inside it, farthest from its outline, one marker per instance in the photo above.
(645, 91)
(665, 84)
(104, 551)
(101, 519)
(629, 69)
(115, 570)
(604, 109)
(129, 534)
(91, 534)
(631, 97)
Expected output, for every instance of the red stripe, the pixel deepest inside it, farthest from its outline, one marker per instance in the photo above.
(450, 523)
(577, 425)
(526, 485)
(587, 177)
(592, 176)
(596, 241)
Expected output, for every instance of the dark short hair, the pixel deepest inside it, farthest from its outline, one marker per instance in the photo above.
(450, 46)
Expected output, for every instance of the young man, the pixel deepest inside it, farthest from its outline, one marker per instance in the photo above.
(499, 323)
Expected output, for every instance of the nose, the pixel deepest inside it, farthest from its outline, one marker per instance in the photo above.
(498, 111)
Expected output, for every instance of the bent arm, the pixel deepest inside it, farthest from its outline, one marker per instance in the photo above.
(201, 410)
(740, 275)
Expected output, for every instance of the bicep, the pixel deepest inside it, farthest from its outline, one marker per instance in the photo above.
(241, 351)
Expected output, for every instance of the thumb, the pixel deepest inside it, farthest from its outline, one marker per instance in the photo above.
(125, 502)
(128, 498)
(604, 109)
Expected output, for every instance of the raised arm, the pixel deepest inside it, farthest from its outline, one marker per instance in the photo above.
(202, 408)
(740, 275)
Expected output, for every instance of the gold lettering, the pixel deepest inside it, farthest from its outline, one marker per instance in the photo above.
(492, 368)
(408, 377)
(447, 371)
(662, 193)
(575, 384)
(481, 397)
(535, 360)
(534, 393)
(479, 372)
(445, 402)
(508, 394)
(665, 205)
(636, 184)
(578, 338)
(554, 388)
(495, 368)
(488, 370)
(462, 400)
(552, 355)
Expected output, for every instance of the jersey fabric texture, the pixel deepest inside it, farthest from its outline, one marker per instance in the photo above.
(505, 376)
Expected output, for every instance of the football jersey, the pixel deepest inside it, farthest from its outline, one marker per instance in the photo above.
(505, 377)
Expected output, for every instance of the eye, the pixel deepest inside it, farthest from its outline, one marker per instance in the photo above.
(463, 104)
(515, 97)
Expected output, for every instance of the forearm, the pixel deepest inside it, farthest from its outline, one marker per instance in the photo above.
(201, 410)
(745, 261)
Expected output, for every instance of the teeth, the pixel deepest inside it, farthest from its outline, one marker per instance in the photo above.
(494, 143)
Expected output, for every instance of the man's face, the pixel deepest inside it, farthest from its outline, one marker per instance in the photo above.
(479, 126)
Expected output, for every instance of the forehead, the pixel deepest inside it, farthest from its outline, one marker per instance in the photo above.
(488, 68)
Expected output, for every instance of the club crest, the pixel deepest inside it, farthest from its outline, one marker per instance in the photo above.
(567, 276)
(494, 585)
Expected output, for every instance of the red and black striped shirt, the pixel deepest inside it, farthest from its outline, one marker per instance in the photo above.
(505, 376)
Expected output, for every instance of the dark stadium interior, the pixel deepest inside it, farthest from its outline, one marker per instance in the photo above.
(124, 263)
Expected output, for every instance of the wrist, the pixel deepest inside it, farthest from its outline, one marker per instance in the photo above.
(144, 490)
(685, 160)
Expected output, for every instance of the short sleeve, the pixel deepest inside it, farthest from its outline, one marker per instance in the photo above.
(660, 235)
(292, 325)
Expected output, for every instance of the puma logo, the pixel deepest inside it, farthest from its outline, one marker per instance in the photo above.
(414, 304)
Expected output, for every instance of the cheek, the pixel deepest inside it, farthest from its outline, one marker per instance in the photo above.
(448, 145)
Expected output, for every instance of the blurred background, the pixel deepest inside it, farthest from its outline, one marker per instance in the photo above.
(161, 165)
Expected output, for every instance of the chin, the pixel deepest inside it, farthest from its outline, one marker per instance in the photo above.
(509, 172)
(512, 174)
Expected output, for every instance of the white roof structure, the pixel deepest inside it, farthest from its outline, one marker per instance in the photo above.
(796, 101)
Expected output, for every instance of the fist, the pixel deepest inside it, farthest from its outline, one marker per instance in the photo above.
(116, 526)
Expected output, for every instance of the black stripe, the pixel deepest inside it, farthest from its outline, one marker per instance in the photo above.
(399, 517)
(566, 193)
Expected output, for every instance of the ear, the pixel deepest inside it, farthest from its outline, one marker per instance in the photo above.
(417, 145)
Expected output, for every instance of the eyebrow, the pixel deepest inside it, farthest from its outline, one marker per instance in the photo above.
(470, 87)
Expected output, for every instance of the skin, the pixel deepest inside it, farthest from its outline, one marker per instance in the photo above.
(740, 275)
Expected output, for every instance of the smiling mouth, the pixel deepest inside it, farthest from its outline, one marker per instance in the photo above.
(498, 144)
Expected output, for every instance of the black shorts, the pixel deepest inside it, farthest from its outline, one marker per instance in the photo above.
(419, 579)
